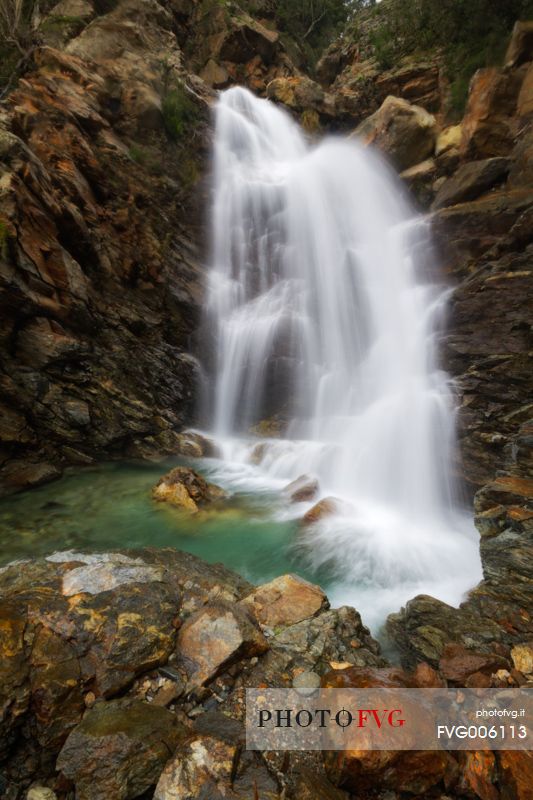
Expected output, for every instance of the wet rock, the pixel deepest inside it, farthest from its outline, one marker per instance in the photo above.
(119, 749)
(62, 653)
(313, 645)
(425, 677)
(20, 475)
(302, 489)
(196, 445)
(478, 774)
(107, 575)
(457, 663)
(215, 637)
(327, 507)
(285, 601)
(515, 769)
(187, 490)
(472, 180)
(406, 133)
(367, 677)
(414, 772)
(207, 766)
(312, 786)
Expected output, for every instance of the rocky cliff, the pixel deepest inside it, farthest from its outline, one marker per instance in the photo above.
(104, 146)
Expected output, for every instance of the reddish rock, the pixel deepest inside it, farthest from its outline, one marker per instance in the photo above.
(457, 663)
(486, 129)
(187, 490)
(515, 774)
(367, 677)
(425, 677)
(478, 774)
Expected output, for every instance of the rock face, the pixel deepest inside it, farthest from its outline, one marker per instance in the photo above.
(405, 132)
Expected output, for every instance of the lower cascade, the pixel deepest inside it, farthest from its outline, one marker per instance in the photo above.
(323, 310)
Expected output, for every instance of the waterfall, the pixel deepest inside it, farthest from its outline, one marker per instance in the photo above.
(324, 307)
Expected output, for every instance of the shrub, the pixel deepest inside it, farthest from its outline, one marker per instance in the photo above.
(179, 112)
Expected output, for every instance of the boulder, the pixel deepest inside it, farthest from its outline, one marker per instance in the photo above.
(20, 475)
(215, 637)
(196, 445)
(299, 94)
(187, 490)
(210, 766)
(119, 749)
(472, 180)
(327, 507)
(457, 663)
(285, 601)
(448, 139)
(405, 133)
(520, 47)
(302, 489)
(414, 772)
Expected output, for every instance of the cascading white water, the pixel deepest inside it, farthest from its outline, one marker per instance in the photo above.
(322, 302)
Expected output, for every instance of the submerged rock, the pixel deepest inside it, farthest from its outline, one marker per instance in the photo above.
(196, 445)
(327, 507)
(302, 489)
(187, 490)
(119, 749)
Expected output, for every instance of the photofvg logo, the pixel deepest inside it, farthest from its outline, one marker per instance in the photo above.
(389, 719)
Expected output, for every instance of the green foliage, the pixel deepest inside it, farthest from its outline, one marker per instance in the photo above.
(469, 33)
(179, 112)
(314, 23)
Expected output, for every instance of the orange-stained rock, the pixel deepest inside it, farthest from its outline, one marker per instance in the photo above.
(515, 774)
(486, 128)
(285, 601)
(367, 677)
(478, 774)
(425, 677)
(301, 489)
(457, 663)
(522, 657)
(327, 507)
(414, 771)
(186, 489)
